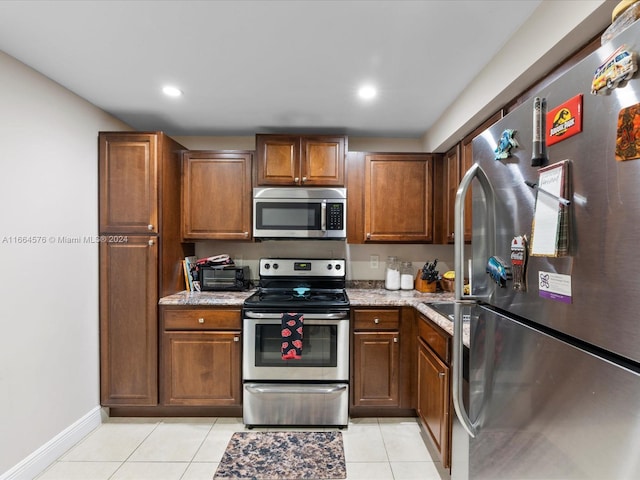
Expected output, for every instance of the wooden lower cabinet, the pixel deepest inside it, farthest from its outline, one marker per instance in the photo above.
(434, 406)
(200, 357)
(382, 362)
(376, 357)
(375, 381)
(129, 322)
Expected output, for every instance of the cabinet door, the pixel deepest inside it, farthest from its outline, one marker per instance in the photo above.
(201, 368)
(375, 370)
(398, 204)
(278, 159)
(322, 161)
(451, 181)
(128, 183)
(216, 195)
(434, 399)
(128, 322)
(466, 161)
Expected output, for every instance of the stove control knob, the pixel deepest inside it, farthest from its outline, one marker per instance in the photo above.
(338, 267)
(267, 266)
(329, 266)
(275, 266)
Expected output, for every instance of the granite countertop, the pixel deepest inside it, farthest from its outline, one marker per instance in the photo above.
(358, 297)
(371, 297)
(220, 299)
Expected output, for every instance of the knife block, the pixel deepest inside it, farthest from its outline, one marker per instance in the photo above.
(423, 286)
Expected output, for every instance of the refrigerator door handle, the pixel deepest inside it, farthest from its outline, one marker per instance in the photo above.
(458, 402)
(474, 172)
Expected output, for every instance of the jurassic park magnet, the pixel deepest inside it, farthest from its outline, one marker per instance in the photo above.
(564, 121)
(628, 134)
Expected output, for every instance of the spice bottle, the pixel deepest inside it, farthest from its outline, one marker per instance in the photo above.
(406, 276)
(392, 275)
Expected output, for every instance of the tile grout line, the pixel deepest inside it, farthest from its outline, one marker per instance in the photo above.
(134, 450)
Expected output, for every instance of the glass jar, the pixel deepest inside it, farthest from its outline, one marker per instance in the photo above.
(406, 276)
(392, 275)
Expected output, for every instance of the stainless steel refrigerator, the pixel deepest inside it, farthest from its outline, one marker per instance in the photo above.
(552, 385)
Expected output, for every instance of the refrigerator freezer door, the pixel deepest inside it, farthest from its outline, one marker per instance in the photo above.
(545, 409)
(601, 268)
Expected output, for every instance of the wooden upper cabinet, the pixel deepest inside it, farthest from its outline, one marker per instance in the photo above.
(216, 195)
(451, 171)
(310, 160)
(128, 183)
(398, 197)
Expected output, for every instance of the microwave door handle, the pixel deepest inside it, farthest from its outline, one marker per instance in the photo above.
(323, 216)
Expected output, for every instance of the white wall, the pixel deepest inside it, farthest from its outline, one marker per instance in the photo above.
(49, 370)
(554, 31)
(356, 144)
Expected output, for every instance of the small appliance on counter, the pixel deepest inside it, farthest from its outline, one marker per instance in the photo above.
(228, 278)
(219, 273)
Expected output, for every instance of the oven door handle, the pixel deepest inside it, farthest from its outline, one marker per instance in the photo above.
(294, 388)
(307, 316)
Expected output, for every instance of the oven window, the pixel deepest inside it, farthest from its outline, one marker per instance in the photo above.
(294, 216)
(319, 346)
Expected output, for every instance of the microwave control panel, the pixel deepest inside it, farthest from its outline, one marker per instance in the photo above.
(335, 216)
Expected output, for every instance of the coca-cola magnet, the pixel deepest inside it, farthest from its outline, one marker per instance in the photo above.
(519, 262)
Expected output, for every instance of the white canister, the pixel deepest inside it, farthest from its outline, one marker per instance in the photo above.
(406, 276)
(392, 275)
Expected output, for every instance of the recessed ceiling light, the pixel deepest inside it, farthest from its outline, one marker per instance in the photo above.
(171, 91)
(367, 92)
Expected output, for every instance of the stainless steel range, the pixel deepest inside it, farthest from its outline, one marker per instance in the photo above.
(311, 385)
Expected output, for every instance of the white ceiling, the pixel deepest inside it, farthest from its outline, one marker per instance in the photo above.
(263, 66)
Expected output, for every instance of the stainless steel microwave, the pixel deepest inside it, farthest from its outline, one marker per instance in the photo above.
(299, 213)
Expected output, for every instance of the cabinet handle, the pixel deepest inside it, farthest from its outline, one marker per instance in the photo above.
(149, 227)
(395, 339)
(246, 234)
(236, 339)
(376, 320)
(441, 374)
(304, 179)
(296, 179)
(151, 242)
(201, 320)
(368, 235)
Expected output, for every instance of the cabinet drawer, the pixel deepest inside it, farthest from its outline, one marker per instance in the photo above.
(437, 340)
(376, 319)
(202, 319)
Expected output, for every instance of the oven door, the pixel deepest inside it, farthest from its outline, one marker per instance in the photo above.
(325, 348)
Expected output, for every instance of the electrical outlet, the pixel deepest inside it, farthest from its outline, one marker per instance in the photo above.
(374, 261)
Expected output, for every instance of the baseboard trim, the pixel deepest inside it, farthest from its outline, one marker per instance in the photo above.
(38, 461)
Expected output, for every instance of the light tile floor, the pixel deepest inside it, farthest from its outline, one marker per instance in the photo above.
(190, 449)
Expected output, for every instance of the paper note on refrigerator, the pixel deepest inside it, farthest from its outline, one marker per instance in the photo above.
(549, 236)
